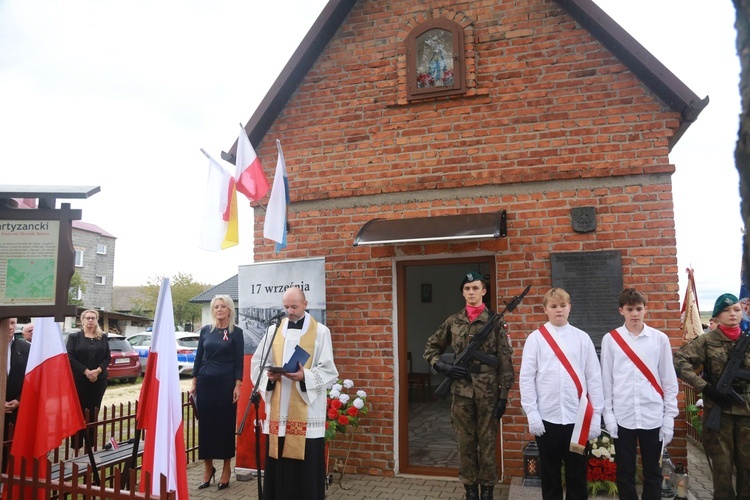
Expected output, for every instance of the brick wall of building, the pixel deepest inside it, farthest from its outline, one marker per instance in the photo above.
(551, 121)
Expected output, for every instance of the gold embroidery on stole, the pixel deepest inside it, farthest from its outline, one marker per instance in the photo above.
(296, 424)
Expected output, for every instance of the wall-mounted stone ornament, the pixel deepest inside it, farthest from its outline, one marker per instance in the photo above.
(584, 219)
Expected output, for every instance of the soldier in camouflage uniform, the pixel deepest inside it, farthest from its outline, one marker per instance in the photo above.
(480, 393)
(730, 447)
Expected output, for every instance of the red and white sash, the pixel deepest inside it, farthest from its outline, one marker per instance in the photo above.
(637, 361)
(585, 409)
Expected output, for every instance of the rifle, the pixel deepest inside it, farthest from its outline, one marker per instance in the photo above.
(472, 350)
(731, 372)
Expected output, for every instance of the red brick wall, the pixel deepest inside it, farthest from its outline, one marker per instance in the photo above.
(551, 121)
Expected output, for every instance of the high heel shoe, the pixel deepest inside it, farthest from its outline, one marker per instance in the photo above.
(210, 480)
(222, 486)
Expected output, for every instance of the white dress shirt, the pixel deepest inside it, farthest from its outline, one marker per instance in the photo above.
(547, 389)
(629, 398)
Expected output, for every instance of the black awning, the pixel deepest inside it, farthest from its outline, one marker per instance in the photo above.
(422, 229)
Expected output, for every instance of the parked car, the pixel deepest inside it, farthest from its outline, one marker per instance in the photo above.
(187, 344)
(125, 363)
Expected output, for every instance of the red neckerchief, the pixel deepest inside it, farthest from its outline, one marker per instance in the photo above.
(731, 333)
(474, 312)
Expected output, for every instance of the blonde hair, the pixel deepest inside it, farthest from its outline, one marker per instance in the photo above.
(227, 300)
(556, 294)
(98, 330)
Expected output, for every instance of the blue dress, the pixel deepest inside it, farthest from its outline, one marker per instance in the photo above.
(218, 364)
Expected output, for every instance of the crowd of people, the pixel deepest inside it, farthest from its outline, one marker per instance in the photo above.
(567, 392)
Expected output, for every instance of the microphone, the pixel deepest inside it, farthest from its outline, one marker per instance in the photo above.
(280, 315)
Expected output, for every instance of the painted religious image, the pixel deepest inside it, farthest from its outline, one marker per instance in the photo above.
(435, 59)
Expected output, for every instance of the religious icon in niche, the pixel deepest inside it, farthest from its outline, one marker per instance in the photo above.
(435, 59)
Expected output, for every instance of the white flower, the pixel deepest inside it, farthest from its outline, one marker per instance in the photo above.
(333, 393)
(605, 439)
(344, 398)
(605, 453)
(358, 403)
(361, 394)
(348, 384)
(699, 403)
(597, 453)
(612, 449)
(336, 387)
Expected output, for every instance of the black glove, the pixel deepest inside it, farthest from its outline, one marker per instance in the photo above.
(452, 371)
(714, 395)
(500, 409)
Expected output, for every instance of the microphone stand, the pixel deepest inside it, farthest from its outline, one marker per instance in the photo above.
(255, 401)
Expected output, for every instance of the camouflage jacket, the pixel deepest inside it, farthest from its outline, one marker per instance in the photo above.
(712, 351)
(486, 382)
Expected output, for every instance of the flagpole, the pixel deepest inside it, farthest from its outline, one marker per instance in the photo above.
(251, 205)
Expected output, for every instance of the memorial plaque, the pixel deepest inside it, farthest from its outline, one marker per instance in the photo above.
(594, 281)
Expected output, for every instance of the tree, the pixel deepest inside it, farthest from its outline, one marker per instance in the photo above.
(742, 151)
(184, 288)
(76, 283)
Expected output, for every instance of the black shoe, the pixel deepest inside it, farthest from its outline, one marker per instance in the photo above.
(487, 493)
(472, 491)
(222, 486)
(210, 480)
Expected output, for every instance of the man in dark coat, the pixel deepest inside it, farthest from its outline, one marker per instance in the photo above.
(18, 356)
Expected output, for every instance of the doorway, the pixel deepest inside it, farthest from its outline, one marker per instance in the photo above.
(429, 292)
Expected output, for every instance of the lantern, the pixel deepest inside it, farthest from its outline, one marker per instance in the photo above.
(667, 472)
(531, 465)
(680, 480)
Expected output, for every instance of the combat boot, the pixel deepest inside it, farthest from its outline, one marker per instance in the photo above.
(472, 491)
(487, 492)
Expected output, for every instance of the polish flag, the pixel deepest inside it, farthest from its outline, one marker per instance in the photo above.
(220, 226)
(159, 406)
(249, 176)
(49, 410)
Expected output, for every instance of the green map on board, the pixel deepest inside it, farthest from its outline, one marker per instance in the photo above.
(30, 279)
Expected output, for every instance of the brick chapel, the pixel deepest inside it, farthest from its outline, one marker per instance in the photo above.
(527, 140)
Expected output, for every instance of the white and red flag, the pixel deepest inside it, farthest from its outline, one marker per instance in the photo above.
(160, 407)
(220, 227)
(249, 176)
(49, 410)
(690, 316)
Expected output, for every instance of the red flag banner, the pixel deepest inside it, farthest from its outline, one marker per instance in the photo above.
(49, 409)
(160, 407)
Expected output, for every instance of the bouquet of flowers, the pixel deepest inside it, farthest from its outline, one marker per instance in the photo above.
(696, 419)
(601, 473)
(344, 410)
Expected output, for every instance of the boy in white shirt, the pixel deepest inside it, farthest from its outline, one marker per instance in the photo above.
(561, 394)
(640, 396)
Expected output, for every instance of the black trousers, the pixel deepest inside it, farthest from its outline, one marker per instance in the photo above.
(626, 457)
(554, 449)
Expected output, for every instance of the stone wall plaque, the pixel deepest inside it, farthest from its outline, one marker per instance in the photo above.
(594, 281)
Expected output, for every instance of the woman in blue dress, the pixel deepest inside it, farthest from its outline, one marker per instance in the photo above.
(217, 375)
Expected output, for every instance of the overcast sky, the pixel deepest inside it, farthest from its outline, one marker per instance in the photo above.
(124, 94)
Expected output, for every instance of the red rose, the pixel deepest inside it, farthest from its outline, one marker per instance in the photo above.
(332, 414)
(352, 411)
(343, 419)
(336, 404)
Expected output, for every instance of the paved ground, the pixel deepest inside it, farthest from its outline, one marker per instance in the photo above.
(421, 488)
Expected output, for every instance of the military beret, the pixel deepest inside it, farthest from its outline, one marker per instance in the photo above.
(471, 276)
(724, 301)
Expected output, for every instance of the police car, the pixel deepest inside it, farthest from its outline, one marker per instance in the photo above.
(187, 344)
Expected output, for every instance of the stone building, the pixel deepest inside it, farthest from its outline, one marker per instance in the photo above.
(445, 136)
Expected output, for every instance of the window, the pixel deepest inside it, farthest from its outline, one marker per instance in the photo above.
(435, 59)
(101, 249)
(75, 293)
(79, 258)
(100, 279)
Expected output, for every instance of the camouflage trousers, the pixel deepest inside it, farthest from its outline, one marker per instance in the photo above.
(729, 449)
(476, 433)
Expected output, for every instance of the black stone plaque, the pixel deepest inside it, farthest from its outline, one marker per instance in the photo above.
(594, 281)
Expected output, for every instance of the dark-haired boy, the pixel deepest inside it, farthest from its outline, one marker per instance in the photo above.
(640, 395)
